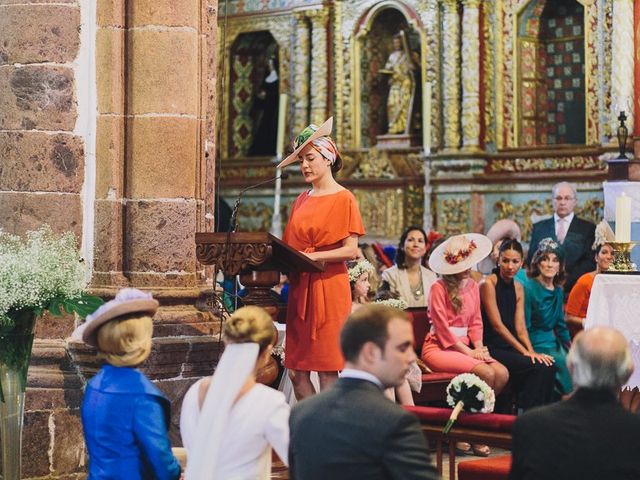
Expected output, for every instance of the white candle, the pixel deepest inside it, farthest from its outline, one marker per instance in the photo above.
(282, 107)
(426, 118)
(623, 218)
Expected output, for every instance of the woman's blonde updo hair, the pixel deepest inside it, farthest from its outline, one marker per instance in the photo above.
(250, 325)
(126, 341)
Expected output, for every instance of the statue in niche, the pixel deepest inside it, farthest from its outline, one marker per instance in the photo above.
(400, 65)
(265, 113)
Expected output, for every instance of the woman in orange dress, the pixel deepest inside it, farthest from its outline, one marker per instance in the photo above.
(324, 224)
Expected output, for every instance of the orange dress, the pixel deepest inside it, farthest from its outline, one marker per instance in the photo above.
(579, 296)
(319, 303)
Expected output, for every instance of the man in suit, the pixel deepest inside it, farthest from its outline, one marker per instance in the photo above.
(574, 234)
(590, 435)
(352, 430)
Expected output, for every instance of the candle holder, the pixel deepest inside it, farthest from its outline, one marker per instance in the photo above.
(622, 258)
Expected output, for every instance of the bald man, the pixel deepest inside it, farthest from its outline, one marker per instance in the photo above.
(590, 435)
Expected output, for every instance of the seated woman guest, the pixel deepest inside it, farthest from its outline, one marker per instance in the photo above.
(576, 309)
(229, 422)
(454, 343)
(543, 309)
(505, 333)
(125, 418)
(359, 278)
(409, 280)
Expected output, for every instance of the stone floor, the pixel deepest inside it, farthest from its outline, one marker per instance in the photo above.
(280, 472)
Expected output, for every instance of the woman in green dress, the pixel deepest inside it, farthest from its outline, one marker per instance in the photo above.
(544, 313)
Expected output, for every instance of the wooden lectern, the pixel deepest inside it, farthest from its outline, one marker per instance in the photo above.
(257, 257)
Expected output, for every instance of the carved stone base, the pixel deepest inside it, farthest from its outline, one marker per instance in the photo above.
(394, 142)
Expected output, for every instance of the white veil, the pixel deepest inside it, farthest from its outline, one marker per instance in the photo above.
(236, 364)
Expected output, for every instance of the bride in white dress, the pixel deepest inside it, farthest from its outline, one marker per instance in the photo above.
(229, 422)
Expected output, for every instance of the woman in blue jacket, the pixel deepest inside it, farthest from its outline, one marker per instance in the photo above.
(124, 416)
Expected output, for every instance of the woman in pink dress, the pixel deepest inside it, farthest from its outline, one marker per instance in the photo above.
(454, 343)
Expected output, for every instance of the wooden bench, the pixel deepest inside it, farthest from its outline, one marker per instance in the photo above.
(486, 428)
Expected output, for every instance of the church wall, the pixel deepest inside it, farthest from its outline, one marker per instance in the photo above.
(108, 129)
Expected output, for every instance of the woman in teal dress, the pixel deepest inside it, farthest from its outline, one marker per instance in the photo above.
(544, 313)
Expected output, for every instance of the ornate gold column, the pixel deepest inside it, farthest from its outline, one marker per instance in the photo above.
(622, 62)
(319, 84)
(471, 75)
(301, 73)
(451, 74)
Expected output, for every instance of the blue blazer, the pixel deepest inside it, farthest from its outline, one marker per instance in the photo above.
(125, 420)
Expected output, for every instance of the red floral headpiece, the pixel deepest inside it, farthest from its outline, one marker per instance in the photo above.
(455, 257)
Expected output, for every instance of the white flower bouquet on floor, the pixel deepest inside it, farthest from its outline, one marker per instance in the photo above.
(469, 392)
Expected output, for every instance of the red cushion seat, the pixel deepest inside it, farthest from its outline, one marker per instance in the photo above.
(492, 468)
(482, 421)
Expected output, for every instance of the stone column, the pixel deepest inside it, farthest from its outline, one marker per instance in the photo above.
(302, 61)
(451, 74)
(45, 141)
(151, 184)
(319, 60)
(471, 75)
(622, 88)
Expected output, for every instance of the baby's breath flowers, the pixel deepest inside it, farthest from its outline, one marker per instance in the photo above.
(43, 272)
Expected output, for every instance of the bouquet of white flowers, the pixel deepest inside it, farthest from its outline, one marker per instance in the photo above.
(469, 392)
(42, 273)
(394, 303)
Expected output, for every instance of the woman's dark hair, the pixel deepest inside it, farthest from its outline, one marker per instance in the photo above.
(534, 268)
(337, 165)
(403, 238)
(596, 250)
(511, 244)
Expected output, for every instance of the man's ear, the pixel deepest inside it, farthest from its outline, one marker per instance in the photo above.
(370, 352)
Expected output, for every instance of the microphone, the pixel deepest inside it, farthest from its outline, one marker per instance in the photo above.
(234, 214)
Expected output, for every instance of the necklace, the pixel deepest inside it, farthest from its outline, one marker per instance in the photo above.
(417, 290)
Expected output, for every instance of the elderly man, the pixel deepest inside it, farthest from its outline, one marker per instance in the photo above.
(352, 430)
(574, 234)
(590, 435)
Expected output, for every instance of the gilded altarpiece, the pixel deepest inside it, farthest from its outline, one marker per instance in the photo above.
(504, 179)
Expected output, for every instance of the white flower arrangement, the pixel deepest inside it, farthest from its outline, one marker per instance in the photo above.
(363, 266)
(44, 272)
(394, 303)
(469, 392)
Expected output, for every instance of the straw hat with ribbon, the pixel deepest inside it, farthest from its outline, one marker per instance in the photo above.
(459, 253)
(127, 301)
(307, 136)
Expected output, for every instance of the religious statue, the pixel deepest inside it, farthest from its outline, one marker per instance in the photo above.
(400, 65)
(265, 113)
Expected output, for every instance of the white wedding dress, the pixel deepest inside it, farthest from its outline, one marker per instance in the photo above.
(234, 443)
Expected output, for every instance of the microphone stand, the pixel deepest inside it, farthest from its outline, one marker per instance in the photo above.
(233, 223)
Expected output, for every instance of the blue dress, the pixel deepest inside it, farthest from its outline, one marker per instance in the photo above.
(125, 419)
(547, 329)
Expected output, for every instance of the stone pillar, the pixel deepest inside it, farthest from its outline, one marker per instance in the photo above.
(151, 181)
(451, 74)
(471, 75)
(45, 137)
(622, 89)
(302, 62)
(319, 60)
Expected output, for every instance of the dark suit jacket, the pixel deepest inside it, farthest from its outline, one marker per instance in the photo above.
(577, 246)
(352, 431)
(589, 436)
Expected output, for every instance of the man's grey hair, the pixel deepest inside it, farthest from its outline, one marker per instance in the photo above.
(572, 186)
(600, 358)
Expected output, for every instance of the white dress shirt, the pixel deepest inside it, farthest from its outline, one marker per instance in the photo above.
(361, 375)
(566, 220)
